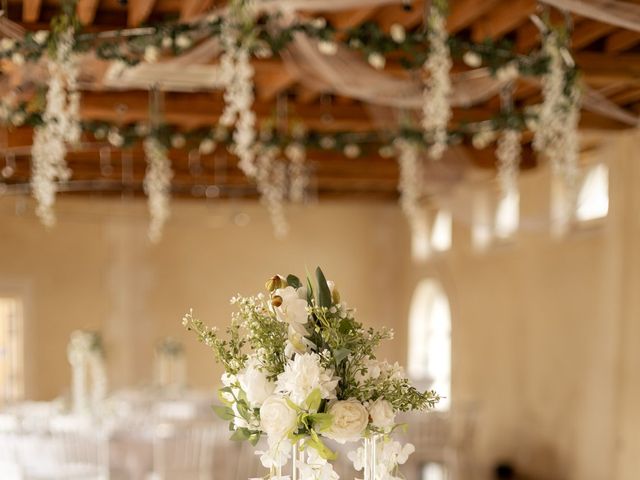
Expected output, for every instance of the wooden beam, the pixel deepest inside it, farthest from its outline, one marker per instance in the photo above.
(603, 69)
(351, 18)
(86, 10)
(31, 10)
(139, 11)
(465, 12)
(269, 85)
(622, 40)
(528, 35)
(588, 32)
(502, 19)
(408, 17)
(193, 8)
(630, 95)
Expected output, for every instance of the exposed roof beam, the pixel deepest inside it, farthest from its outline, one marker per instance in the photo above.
(465, 12)
(622, 40)
(502, 19)
(139, 11)
(31, 10)
(193, 8)
(87, 11)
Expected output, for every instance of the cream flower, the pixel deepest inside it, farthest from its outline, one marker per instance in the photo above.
(349, 420)
(277, 419)
(293, 308)
(304, 374)
(382, 414)
(255, 383)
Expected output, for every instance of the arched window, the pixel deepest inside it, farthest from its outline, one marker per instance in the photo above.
(430, 339)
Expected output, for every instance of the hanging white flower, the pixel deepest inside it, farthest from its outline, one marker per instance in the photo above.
(151, 54)
(376, 60)
(436, 110)
(472, 59)
(398, 33)
(304, 374)
(271, 183)
(61, 125)
(157, 186)
(327, 47)
(508, 154)
(298, 174)
(411, 184)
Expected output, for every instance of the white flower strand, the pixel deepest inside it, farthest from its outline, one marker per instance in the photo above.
(60, 126)
(271, 184)
(237, 78)
(298, 175)
(436, 110)
(157, 186)
(508, 153)
(410, 185)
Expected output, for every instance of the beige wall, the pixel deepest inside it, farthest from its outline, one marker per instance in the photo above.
(546, 331)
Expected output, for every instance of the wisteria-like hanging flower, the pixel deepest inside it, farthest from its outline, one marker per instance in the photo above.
(508, 153)
(436, 110)
(298, 174)
(410, 185)
(157, 186)
(60, 127)
(271, 183)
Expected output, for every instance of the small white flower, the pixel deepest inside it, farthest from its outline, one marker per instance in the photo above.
(7, 44)
(382, 414)
(319, 23)
(167, 42)
(376, 60)
(17, 59)
(178, 140)
(183, 41)
(398, 33)
(327, 142)
(349, 420)
(18, 119)
(142, 129)
(472, 59)
(40, 37)
(151, 54)
(207, 146)
(293, 308)
(351, 150)
(386, 151)
(508, 72)
(100, 133)
(327, 47)
(115, 138)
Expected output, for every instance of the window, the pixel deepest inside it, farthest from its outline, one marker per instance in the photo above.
(433, 236)
(593, 197)
(11, 347)
(430, 340)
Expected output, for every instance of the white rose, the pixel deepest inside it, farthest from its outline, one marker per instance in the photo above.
(151, 54)
(348, 422)
(276, 418)
(182, 41)
(7, 44)
(255, 383)
(41, 36)
(398, 33)
(293, 309)
(382, 414)
(472, 59)
(376, 60)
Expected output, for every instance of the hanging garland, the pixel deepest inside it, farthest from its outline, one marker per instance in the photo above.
(157, 186)
(410, 186)
(60, 120)
(436, 110)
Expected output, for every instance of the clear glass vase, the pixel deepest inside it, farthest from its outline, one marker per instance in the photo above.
(370, 453)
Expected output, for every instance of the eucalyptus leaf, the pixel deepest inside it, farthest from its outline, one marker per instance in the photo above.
(324, 293)
(240, 435)
(294, 281)
(225, 413)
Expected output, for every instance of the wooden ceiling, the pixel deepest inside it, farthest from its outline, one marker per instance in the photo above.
(609, 58)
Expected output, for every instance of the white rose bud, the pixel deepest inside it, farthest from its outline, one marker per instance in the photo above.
(398, 33)
(276, 418)
(382, 414)
(349, 420)
(40, 37)
(151, 54)
(328, 48)
(472, 59)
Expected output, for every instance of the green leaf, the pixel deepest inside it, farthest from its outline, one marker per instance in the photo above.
(309, 291)
(254, 438)
(324, 293)
(225, 413)
(313, 400)
(292, 405)
(294, 281)
(320, 447)
(240, 435)
(321, 421)
(243, 410)
(341, 355)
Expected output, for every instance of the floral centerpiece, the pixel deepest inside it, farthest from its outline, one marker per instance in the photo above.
(300, 369)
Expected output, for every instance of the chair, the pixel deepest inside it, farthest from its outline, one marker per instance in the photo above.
(79, 451)
(183, 451)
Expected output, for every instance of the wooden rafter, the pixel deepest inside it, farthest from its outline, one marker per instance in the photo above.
(139, 11)
(505, 17)
(622, 40)
(193, 8)
(31, 10)
(86, 10)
